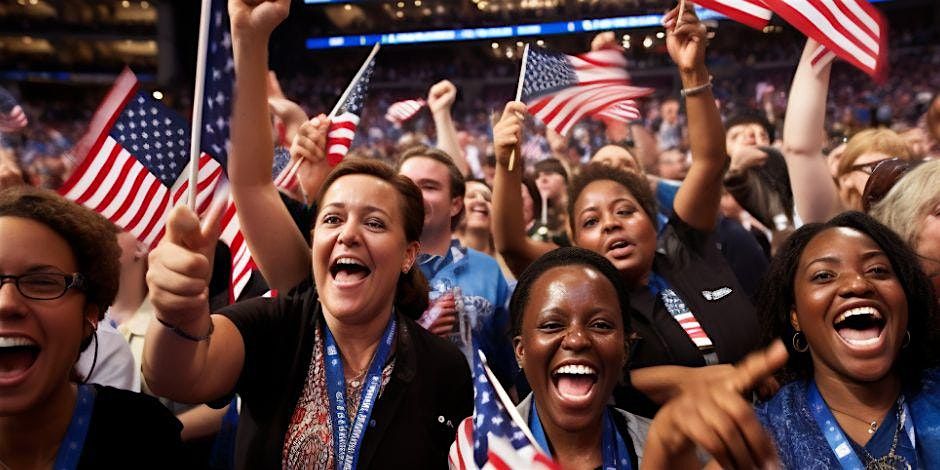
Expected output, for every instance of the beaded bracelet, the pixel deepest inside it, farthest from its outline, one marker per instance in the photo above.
(185, 335)
(686, 92)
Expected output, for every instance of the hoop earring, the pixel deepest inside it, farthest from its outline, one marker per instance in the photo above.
(907, 339)
(799, 337)
(94, 357)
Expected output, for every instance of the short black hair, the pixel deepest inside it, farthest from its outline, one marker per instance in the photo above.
(91, 237)
(776, 297)
(751, 117)
(569, 256)
(637, 185)
(550, 165)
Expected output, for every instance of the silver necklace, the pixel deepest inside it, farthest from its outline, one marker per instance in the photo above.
(890, 461)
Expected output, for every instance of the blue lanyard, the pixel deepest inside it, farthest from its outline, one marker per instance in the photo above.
(614, 450)
(70, 449)
(829, 427)
(346, 442)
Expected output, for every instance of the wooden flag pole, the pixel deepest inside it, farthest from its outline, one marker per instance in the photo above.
(681, 12)
(525, 60)
(195, 135)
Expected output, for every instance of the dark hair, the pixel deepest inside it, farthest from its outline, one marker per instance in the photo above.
(570, 256)
(634, 183)
(533, 190)
(457, 185)
(411, 293)
(91, 237)
(751, 117)
(550, 165)
(776, 297)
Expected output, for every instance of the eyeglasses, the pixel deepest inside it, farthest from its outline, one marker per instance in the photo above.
(867, 168)
(44, 286)
(884, 175)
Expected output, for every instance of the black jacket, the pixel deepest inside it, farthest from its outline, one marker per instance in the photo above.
(414, 420)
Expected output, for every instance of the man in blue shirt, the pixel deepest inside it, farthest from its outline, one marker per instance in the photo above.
(468, 288)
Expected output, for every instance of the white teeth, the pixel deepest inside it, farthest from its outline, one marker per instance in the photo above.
(863, 342)
(575, 370)
(858, 311)
(14, 341)
(618, 244)
(350, 261)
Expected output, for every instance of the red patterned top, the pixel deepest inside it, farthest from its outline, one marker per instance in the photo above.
(309, 439)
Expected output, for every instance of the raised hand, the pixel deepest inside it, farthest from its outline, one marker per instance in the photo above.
(745, 157)
(180, 268)
(441, 97)
(686, 43)
(718, 419)
(310, 141)
(256, 18)
(289, 112)
(507, 133)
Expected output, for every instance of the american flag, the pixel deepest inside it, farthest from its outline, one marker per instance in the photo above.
(220, 79)
(137, 165)
(216, 111)
(623, 111)
(284, 170)
(342, 129)
(404, 110)
(495, 436)
(852, 30)
(560, 89)
(750, 12)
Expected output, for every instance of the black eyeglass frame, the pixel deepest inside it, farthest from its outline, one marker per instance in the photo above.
(71, 281)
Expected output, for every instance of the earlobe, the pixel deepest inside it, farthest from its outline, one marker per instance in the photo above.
(91, 315)
(456, 205)
(794, 320)
(518, 349)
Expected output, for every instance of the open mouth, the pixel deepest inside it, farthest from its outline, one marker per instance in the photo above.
(860, 326)
(620, 248)
(574, 382)
(17, 355)
(347, 270)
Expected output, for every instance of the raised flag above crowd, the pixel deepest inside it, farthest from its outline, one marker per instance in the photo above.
(345, 116)
(560, 89)
(136, 167)
(401, 111)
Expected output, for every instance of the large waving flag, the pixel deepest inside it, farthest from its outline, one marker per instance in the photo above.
(852, 30)
(495, 437)
(135, 168)
(345, 117)
(561, 89)
(750, 12)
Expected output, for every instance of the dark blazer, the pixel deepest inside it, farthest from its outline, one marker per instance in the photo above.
(414, 420)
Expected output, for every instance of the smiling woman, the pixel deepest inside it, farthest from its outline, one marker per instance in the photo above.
(334, 373)
(58, 275)
(861, 388)
(571, 322)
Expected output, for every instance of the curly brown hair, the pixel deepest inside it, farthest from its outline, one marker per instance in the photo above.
(596, 171)
(92, 238)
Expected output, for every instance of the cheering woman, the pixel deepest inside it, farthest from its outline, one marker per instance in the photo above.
(675, 282)
(860, 389)
(58, 275)
(571, 322)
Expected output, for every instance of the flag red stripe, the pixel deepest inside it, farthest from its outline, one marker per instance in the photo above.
(115, 191)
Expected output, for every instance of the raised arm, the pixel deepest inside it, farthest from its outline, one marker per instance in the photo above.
(276, 245)
(509, 235)
(181, 369)
(698, 199)
(441, 98)
(814, 193)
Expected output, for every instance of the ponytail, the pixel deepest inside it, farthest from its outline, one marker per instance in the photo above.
(411, 293)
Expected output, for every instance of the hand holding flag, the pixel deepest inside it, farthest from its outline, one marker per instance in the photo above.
(507, 133)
